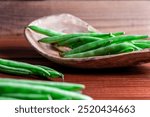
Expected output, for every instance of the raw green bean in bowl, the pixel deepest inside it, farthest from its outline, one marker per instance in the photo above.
(70, 41)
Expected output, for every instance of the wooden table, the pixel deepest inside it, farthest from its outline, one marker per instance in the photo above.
(107, 16)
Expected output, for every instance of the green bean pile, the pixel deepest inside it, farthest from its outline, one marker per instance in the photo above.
(14, 89)
(22, 68)
(91, 44)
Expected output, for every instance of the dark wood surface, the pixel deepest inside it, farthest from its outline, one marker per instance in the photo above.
(129, 16)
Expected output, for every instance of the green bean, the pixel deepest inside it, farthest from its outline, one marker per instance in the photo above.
(68, 36)
(54, 73)
(29, 89)
(44, 31)
(36, 70)
(60, 85)
(64, 98)
(91, 30)
(107, 50)
(141, 43)
(102, 43)
(7, 98)
(71, 46)
(113, 34)
(13, 70)
(75, 45)
(46, 68)
(24, 96)
(64, 37)
(83, 39)
(134, 48)
(116, 34)
(74, 42)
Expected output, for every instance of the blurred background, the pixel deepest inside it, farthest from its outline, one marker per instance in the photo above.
(131, 16)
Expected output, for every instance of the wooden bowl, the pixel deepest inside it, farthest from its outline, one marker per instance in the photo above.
(70, 24)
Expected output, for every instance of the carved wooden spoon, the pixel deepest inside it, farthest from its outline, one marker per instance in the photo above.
(70, 24)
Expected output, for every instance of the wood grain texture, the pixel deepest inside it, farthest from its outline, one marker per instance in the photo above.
(16, 47)
(129, 16)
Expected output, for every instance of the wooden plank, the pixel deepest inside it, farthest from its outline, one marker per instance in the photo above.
(16, 47)
(129, 16)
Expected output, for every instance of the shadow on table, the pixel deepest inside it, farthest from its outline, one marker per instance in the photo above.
(139, 69)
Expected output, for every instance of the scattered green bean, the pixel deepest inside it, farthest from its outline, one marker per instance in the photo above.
(102, 43)
(107, 50)
(80, 43)
(82, 39)
(72, 44)
(64, 37)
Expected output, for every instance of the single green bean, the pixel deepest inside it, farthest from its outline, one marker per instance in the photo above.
(105, 42)
(54, 73)
(60, 85)
(75, 45)
(116, 34)
(91, 30)
(13, 70)
(107, 50)
(134, 48)
(44, 31)
(82, 39)
(8, 98)
(141, 43)
(64, 37)
(24, 96)
(64, 98)
(29, 89)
